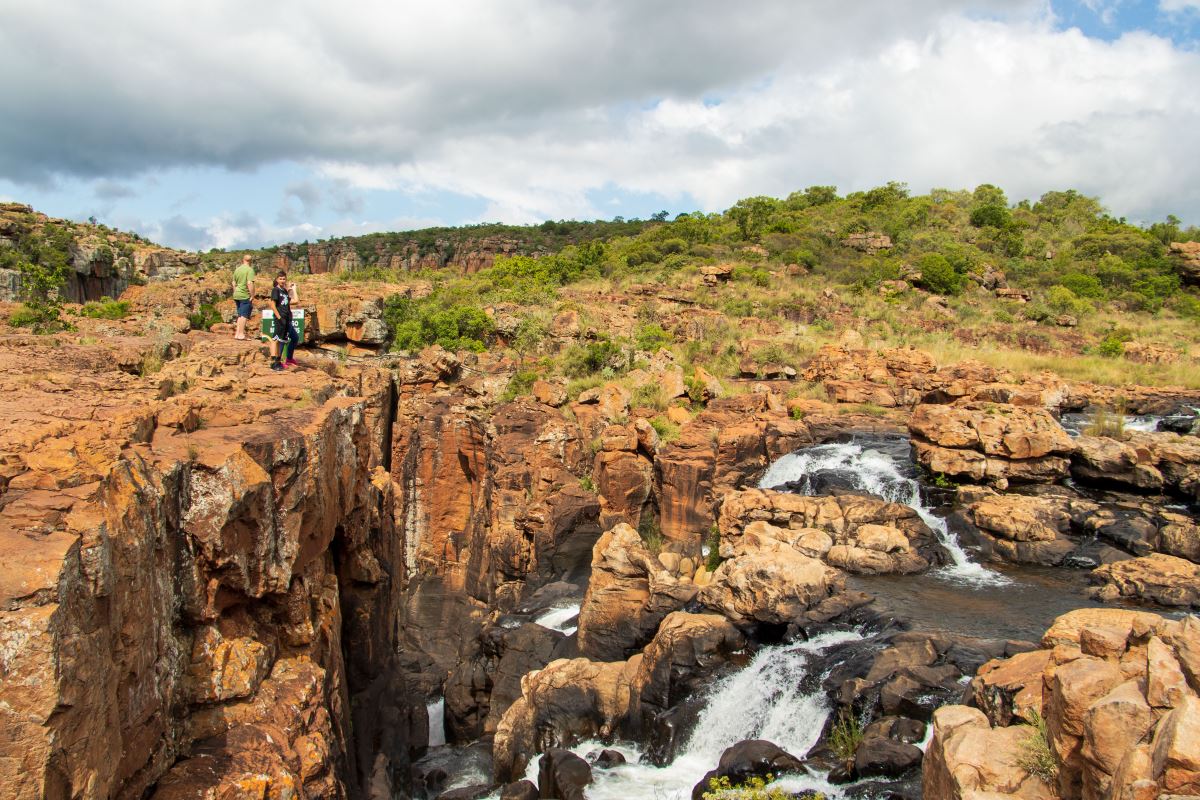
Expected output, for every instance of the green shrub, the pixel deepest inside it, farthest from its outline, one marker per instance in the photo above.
(938, 275)
(648, 395)
(667, 431)
(650, 533)
(651, 337)
(587, 359)
(753, 788)
(23, 317)
(204, 317)
(587, 484)
(418, 323)
(106, 308)
(519, 385)
(1112, 346)
(759, 277)
(1062, 300)
(846, 735)
(713, 542)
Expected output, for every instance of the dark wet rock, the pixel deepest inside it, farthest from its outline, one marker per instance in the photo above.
(551, 596)
(481, 688)
(907, 789)
(1181, 424)
(520, 790)
(607, 759)
(748, 759)
(431, 773)
(670, 730)
(563, 775)
(879, 756)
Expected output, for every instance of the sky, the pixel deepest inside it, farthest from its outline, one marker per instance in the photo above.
(233, 124)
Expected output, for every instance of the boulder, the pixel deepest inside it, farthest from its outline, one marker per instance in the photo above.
(563, 775)
(748, 759)
(629, 594)
(967, 759)
(1159, 578)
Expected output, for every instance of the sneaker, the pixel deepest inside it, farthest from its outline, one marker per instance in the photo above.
(291, 362)
(275, 365)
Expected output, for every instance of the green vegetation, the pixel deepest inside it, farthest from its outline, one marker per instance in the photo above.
(106, 308)
(43, 262)
(667, 431)
(1106, 423)
(519, 385)
(204, 317)
(1037, 758)
(754, 788)
(713, 542)
(846, 736)
(650, 532)
(416, 324)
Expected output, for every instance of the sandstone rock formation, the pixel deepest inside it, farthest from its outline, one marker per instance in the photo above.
(1118, 692)
(992, 442)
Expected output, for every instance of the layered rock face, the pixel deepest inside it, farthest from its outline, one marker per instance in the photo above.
(1118, 691)
(195, 590)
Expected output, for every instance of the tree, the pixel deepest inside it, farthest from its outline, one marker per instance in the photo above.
(44, 271)
(939, 275)
(752, 213)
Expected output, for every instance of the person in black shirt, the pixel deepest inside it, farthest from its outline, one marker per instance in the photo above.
(283, 295)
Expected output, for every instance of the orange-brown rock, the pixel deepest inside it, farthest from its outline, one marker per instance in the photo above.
(856, 533)
(990, 441)
(1163, 579)
(168, 585)
(1187, 256)
(1120, 714)
(629, 594)
(967, 758)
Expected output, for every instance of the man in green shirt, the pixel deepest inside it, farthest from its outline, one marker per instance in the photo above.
(243, 291)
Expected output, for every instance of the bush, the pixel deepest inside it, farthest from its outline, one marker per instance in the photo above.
(1062, 300)
(667, 431)
(651, 337)
(204, 317)
(519, 385)
(754, 788)
(1112, 346)
(590, 358)
(938, 275)
(106, 309)
(846, 736)
(417, 324)
(1037, 757)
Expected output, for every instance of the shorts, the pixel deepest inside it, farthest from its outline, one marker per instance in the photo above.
(244, 308)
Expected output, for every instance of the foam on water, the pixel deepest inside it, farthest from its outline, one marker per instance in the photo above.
(761, 701)
(879, 474)
(556, 619)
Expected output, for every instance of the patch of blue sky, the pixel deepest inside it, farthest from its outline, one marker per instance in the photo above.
(1110, 19)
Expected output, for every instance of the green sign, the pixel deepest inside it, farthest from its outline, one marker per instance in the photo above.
(268, 323)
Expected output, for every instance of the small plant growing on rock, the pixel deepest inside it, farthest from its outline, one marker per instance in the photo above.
(1106, 423)
(713, 543)
(1036, 757)
(587, 484)
(667, 431)
(846, 736)
(650, 532)
(106, 308)
(519, 385)
(755, 788)
(204, 317)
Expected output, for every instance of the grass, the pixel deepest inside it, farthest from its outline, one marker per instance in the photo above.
(1036, 756)
(651, 534)
(1108, 424)
(846, 736)
(105, 308)
(667, 431)
(152, 362)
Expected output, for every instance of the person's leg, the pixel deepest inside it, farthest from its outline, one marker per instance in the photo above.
(243, 314)
(293, 341)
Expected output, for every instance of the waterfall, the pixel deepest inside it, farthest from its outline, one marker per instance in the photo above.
(877, 472)
(761, 701)
(437, 722)
(557, 618)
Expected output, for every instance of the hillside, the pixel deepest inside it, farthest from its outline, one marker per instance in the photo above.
(822, 488)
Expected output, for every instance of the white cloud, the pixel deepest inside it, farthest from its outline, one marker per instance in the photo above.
(539, 107)
(1172, 6)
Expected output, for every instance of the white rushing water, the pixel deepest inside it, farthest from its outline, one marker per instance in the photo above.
(559, 617)
(761, 701)
(878, 473)
(437, 722)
